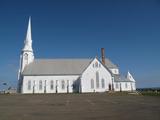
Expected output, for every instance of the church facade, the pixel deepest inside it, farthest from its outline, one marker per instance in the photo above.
(69, 75)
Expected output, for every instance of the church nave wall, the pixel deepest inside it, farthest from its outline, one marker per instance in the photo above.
(49, 84)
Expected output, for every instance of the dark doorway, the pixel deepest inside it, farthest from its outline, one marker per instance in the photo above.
(109, 86)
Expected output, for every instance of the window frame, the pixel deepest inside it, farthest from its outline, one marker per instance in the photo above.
(97, 79)
(96, 64)
(117, 86)
(126, 85)
(62, 84)
(52, 85)
(92, 83)
(103, 83)
(40, 85)
(29, 85)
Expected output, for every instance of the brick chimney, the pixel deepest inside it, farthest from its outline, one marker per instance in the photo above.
(103, 56)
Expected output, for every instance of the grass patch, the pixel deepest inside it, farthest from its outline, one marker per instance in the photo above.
(150, 93)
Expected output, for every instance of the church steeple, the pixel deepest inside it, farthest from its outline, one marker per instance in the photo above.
(28, 40)
(27, 55)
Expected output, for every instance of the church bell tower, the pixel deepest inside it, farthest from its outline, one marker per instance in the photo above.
(27, 55)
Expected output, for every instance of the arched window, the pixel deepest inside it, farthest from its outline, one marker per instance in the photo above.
(126, 85)
(92, 84)
(103, 83)
(51, 85)
(63, 84)
(117, 85)
(97, 79)
(25, 58)
(56, 83)
(96, 64)
(29, 85)
(40, 85)
(67, 83)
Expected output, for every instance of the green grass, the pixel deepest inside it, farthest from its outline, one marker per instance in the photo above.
(150, 93)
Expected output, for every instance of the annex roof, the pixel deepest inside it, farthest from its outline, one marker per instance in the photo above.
(119, 78)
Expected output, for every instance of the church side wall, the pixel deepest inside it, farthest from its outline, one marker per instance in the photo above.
(42, 84)
(124, 86)
(91, 74)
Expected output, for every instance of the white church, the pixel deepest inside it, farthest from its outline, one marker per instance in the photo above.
(69, 75)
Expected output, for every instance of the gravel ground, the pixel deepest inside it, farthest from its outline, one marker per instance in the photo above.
(98, 106)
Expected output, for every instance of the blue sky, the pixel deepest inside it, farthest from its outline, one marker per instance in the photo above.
(129, 30)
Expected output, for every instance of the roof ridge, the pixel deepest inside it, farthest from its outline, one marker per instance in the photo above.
(64, 59)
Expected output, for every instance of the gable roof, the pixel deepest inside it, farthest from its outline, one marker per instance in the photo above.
(119, 78)
(60, 66)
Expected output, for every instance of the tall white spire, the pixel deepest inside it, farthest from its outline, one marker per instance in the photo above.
(27, 55)
(28, 40)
